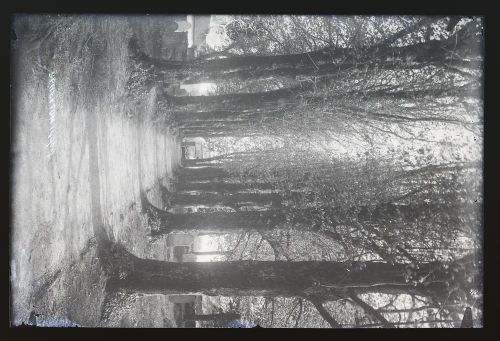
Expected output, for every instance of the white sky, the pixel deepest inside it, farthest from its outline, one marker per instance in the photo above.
(199, 89)
(208, 243)
(216, 36)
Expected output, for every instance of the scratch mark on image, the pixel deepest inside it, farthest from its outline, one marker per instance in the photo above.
(52, 114)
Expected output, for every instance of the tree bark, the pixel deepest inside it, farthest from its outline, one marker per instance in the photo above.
(308, 218)
(201, 173)
(218, 133)
(236, 101)
(217, 221)
(210, 161)
(222, 187)
(225, 124)
(323, 280)
(263, 103)
(224, 199)
(244, 67)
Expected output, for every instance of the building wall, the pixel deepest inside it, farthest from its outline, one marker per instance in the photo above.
(157, 37)
(200, 29)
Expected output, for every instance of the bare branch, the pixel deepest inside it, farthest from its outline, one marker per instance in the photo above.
(370, 310)
(324, 313)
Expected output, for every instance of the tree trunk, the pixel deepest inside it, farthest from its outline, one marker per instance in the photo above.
(308, 218)
(323, 280)
(213, 173)
(222, 187)
(201, 173)
(269, 100)
(210, 161)
(237, 101)
(244, 67)
(256, 114)
(214, 133)
(224, 199)
(225, 124)
(216, 221)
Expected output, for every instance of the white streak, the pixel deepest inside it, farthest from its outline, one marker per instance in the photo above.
(52, 114)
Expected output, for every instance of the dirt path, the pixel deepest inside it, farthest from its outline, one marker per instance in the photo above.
(90, 187)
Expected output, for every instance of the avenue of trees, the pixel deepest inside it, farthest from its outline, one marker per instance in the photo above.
(345, 169)
(403, 208)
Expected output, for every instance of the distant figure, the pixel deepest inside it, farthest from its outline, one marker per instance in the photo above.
(467, 320)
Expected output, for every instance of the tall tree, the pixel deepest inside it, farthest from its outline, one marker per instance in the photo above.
(324, 60)
(327, 280)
